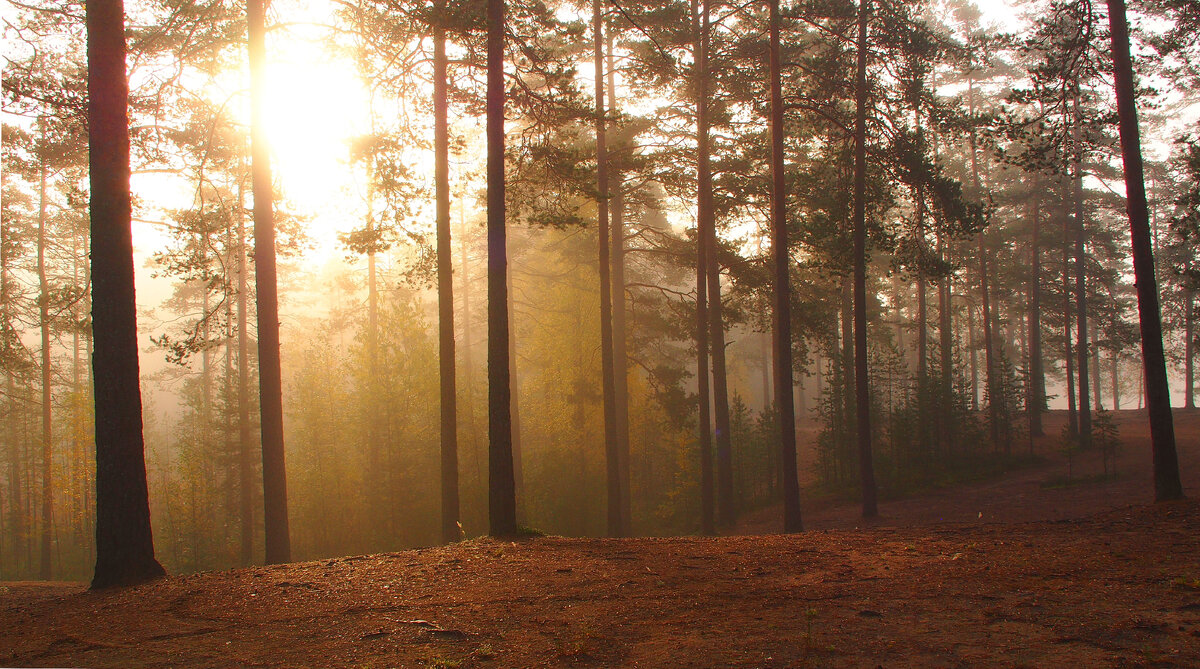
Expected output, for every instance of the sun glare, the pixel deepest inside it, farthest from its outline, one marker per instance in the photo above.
(315, 104)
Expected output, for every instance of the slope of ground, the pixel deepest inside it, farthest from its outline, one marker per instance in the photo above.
(1061, 488)
(1121, 588)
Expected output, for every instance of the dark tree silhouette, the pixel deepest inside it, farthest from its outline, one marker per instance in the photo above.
(862, 390)
(449, 408)
(124, 543)
(1158, 396)
(608, 383)
(502, 498)
(707, 506)
(270, 383)
(782, 312)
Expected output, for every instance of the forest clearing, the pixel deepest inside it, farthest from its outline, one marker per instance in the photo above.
(1118, 588)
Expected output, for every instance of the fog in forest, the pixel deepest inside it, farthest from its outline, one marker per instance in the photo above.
(999, 284)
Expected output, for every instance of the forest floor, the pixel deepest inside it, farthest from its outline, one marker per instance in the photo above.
(1013, 571)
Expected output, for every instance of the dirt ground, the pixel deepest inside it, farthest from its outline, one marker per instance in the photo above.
(1088, 575)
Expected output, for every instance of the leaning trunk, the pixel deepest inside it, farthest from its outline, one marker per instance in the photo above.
(1158, 394)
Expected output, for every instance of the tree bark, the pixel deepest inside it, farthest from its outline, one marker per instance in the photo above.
(270, 383)
(1116, 381)
(707, 501)
(1037, 373)
(502, 495)
(1162, 429)
(782, 302)
(124, 542)
(47, 529)
(245, 439)
(451, 528)
(620, 346)
(1068, 356)
(607, 372)
(989, 347)
(861, 379)
(726, 510)
(1189, 352)
(1081, 325)
(16, 526)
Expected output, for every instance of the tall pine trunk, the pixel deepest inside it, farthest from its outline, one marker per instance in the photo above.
(707, 228)
(270, 383)
(620, 345)
(245, 438)
(124, 542)
(1158, 394)
(16, 527)
(449, 393)
(611, 457)
(1068, 356)
(989, 344)
(862, 391)
(1081, 324)
(782, 298)
(1116, 381)
(1189, 352)
(707, 493)
(1037, 375)
(47, 529)
(502, 494)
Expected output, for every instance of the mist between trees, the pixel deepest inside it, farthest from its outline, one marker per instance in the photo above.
(992, 267)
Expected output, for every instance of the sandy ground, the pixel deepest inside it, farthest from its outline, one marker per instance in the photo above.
(1089, 575)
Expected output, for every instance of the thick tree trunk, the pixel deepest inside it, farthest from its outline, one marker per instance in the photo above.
(782, 298)
(1162, 428)
(862, 391)
(451, 528)
(620, 346)
(124, 542)
(607, 371)
(707, 498)
(502, 494)
(270, 383)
